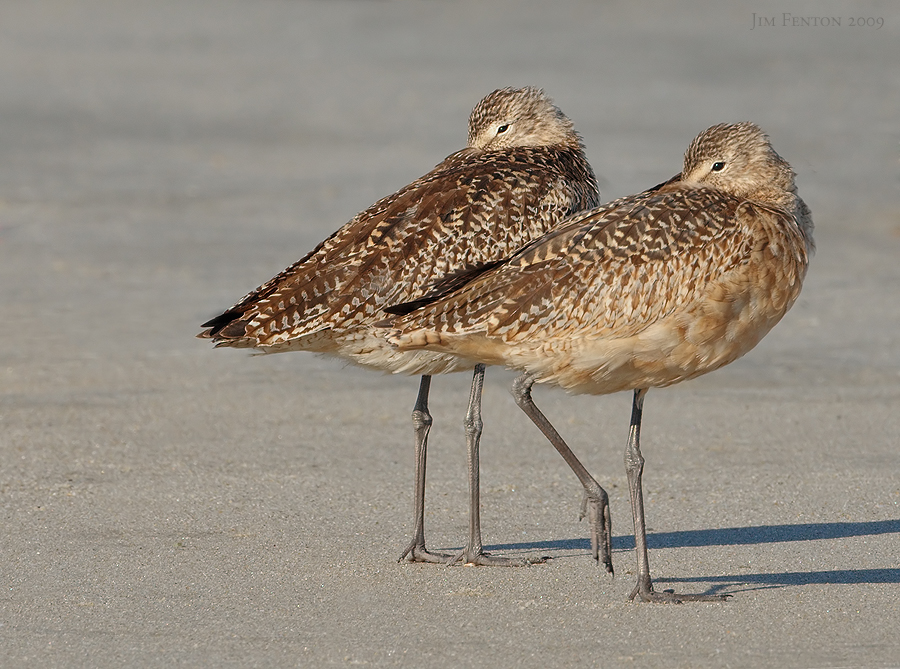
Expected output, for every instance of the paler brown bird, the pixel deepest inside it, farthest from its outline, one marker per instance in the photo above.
(524, 170)
(641, 293)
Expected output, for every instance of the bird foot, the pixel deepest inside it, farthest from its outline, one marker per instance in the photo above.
(597, 512)
(645, 593)
(479, 558)
(416, 552)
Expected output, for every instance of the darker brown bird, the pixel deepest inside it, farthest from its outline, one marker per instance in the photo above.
(523, 171)
(641, 293)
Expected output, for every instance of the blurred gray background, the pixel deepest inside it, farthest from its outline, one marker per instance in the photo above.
(165, 504)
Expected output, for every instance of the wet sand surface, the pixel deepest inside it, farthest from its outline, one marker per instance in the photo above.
(167, 504)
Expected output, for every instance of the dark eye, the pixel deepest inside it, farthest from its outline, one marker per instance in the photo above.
(718, 167)
(502, 129)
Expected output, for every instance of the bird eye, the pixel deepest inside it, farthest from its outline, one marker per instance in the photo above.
(718, 167)
(503, 128)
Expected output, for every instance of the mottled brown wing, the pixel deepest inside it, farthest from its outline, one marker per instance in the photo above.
(618, 267)
(450, 283)
(227, 323)
(468, 211)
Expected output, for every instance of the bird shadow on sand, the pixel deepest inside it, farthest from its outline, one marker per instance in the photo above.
(744, 582)
(726, 536)
(738, 536)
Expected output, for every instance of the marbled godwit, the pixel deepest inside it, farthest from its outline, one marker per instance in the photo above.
(641, 293)
(523, 171)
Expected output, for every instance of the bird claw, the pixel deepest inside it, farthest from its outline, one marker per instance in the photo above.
(482, 559)
(416, 552)
(644, 592)
(597, 511)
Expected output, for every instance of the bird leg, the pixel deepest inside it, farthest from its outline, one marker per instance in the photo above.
(634, 467)
(474, 553)
(422, 425)
(596, 499)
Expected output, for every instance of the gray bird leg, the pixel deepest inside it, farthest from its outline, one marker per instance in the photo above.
(422, 425)
(474, 553)
(634, 467)
(596, 497)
